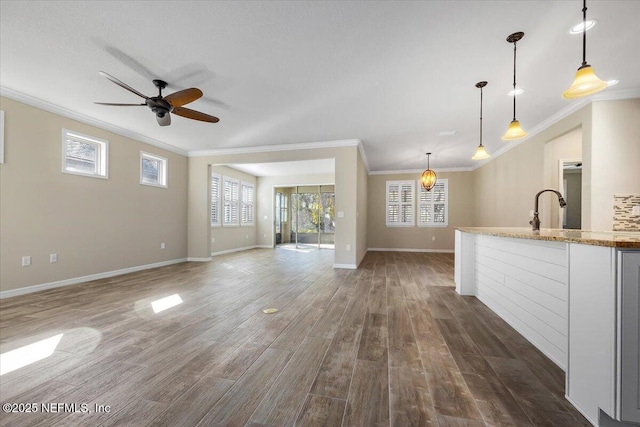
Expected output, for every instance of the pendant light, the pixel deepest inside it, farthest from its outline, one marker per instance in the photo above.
(481, 153)
(428, 178)
(514, 131)
(586, 82)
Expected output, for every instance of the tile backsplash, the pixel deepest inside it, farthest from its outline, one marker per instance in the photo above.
(623, 217)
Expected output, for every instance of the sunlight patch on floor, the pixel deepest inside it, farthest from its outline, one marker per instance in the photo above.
(28, 354)
(166, 303)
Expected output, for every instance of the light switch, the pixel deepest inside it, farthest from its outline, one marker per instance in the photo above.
(340, 214)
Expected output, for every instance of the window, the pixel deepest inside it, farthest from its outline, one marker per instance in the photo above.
(248, 198)
(153, 170)
(231, 201)
(400, 203)
(215, 200)
(84, 155)
(433, 209)
(281, 210)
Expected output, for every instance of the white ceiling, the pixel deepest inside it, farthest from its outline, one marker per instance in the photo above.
(302, 167)
(392, 74)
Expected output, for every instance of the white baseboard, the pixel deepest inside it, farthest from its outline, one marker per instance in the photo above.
(74, 281)
(566, 396)
(245, 248)
(194, 259)
(346, 266)
(443, 251)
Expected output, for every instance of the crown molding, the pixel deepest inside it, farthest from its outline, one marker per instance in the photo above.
(279, 147)
(419, 171)
(612, 95)
(364, 156)
(65, 112)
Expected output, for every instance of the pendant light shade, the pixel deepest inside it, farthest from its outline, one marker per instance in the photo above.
(428, 178)
(514, 131)
(586, 82)
(481, 153)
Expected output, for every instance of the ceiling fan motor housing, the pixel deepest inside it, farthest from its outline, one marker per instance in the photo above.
(159, 106)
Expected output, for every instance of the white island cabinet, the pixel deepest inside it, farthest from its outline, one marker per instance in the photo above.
(575, 296)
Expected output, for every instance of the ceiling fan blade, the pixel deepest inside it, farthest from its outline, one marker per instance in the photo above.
(195, 115)
(164, 120)
(182, 97)
(118, 105)
(121, 84)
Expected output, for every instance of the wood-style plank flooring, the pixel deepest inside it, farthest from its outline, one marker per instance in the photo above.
(388, 344)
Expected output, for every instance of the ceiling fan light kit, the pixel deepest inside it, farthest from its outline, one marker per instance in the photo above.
(585, 82)
(164, 106)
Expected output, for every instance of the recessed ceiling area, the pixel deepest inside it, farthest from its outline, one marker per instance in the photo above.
(302, 167)
(391, 74)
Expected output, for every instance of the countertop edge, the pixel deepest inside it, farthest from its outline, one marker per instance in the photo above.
(522, 234)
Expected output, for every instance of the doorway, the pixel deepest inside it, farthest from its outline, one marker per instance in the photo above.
(570, 181)
(305, 217)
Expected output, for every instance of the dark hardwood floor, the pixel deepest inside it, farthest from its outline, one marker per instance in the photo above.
(388, 344)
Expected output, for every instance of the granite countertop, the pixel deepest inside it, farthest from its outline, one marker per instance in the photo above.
(614, 239)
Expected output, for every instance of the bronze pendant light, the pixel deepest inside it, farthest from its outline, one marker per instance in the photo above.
(585, 82)
(428, 178)
(514, 131)
(481, 153)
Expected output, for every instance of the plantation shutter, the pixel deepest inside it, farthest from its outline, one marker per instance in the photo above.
(215, 200)
(433, 206)
(400, 204)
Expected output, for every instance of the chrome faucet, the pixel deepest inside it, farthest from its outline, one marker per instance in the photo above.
(535, 222)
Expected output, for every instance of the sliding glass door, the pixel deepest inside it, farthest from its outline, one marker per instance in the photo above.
(313, 216)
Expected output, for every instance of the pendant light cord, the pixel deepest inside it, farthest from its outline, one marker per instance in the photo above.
(584, 33)
(481, 116)
(514, 80)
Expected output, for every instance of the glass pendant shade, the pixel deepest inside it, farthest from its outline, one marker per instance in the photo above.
(514, 132)
(481, 153)
(585, 83)
(428, 179)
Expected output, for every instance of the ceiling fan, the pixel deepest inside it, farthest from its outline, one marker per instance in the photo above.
(163, 105)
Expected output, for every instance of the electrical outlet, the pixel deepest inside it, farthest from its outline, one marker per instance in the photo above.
(635, 210)
(53, 258)
(265, 235)
(162, 246)
(348, 247)
(213, 240)
(26, 261)
(433, 237)
(246, 237)
(531, 214)
(266, 217)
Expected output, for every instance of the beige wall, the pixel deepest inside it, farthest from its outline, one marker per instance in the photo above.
(615, 157)
(567, 146)
(94, 225)
(461, 214)
(346, 160)
(266, 195)
(505, 187)
(230, 238)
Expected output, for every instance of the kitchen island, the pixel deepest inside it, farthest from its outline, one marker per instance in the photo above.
(574, 295)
